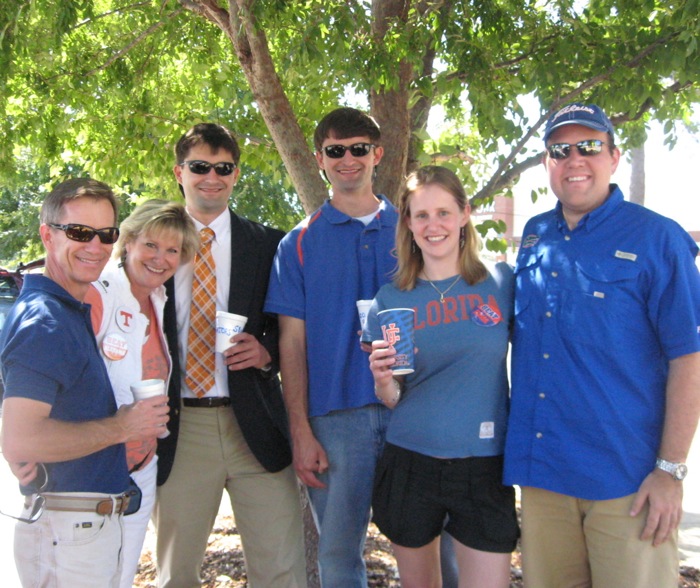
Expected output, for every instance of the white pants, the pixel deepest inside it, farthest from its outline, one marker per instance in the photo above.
(69, 549)
(136, 525)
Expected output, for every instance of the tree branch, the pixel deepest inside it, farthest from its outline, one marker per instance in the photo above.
(133, 43)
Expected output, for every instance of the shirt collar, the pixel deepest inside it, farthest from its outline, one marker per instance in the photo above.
(384, 214)
(591, 220)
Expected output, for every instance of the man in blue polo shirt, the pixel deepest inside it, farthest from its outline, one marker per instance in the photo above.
(340, 254)
(606, 373)
(59, 409)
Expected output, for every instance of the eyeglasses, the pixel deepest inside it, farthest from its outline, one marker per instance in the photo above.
(201, 168)
(585, 148)
(85, 234)
(356, 150)
(38, 485)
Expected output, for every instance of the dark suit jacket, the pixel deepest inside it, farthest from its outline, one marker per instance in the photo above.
(256, 396)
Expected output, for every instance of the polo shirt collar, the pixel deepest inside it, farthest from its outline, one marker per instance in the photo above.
(43, 283)
(336, 217)
(591, 220)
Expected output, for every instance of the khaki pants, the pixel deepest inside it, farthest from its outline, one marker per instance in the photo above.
(212, 456)
(573, 543)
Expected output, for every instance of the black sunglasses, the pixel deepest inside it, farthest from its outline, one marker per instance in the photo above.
(201, 168)
(37, 485)
(356, 150)
(85, 234)
(585, 148)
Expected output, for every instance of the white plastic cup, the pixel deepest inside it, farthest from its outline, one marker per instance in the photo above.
(144, 389)
(228, 325)
(363, 307)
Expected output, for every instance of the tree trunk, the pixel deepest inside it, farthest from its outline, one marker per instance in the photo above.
(638, 177)
(390, 107)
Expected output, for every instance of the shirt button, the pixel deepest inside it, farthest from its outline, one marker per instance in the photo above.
(548, 314)
(542, 395)
(366, 246)
(567, 238)
(539, 435)
(555, 274)
(545, 355)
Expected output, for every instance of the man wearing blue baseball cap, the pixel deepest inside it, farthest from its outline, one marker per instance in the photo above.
(606, 373)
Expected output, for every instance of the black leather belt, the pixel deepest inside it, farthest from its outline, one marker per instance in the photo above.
(207, 402)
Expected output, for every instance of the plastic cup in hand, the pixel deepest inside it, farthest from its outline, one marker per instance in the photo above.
(148, 389)
(363, 307)
(397, 330)
(228, 325)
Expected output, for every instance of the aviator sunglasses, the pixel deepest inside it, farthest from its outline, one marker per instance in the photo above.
(585, 148)
(85, 234)
(356, 150)
(36, 508)
(201, 168)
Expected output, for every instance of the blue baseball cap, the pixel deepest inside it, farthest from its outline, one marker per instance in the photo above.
(587, 115)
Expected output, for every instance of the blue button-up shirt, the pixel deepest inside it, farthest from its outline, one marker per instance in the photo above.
(599, 312)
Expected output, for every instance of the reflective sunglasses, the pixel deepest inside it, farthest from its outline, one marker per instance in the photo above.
(37, 485)
(585, 148)
(201, 168)
(85, 234)
(356, 150)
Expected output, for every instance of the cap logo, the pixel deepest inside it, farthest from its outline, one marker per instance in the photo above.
(573, 108)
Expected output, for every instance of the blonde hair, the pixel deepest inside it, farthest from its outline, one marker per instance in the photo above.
(156, 216)
(410, 257)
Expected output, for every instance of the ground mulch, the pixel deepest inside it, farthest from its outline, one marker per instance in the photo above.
(224, 568)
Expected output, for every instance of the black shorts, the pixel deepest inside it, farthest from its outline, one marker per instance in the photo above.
(414, 494)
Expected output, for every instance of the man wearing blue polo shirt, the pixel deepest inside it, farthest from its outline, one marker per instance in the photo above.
(340, 254)
(606, 373)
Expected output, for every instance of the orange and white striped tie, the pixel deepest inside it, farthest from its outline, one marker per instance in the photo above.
(201, 338)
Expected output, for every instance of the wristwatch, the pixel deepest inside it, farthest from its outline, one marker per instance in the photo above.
(677, 470)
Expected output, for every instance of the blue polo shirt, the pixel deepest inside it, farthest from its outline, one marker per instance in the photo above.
(599, 313)
(322, 267)
(49, 354)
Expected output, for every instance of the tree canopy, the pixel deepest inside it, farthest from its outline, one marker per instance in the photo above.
(108, 86)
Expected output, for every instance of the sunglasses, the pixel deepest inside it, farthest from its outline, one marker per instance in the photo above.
(585, 148)
(356, 150)
(85, 234)
(37, 485)
(201, 168)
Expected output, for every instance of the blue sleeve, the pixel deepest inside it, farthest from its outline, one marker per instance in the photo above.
(674, 295)
(286, 293)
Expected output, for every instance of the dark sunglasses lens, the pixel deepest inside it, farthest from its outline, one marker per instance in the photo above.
(199, 167)
(559, 151)
(80, 233)
(108, 236)
(335, 151)
(592, 147)
(84, 234)
(360, 149)
(224, 168)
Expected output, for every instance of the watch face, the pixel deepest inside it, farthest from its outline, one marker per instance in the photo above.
(681, 471)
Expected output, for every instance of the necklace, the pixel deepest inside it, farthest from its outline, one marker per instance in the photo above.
(442, 292)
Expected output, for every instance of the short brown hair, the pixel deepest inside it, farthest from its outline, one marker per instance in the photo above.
(69, 190)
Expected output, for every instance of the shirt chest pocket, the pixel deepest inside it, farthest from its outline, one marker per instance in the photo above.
(600, 305)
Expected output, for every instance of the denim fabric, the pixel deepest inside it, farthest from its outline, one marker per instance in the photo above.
(353, 440)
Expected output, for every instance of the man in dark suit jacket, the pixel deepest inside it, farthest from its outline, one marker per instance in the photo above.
(234, 437)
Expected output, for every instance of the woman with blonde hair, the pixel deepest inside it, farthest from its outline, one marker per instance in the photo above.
(127, 316)
(444, 453)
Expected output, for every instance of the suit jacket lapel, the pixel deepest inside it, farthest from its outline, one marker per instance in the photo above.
(245, 265)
